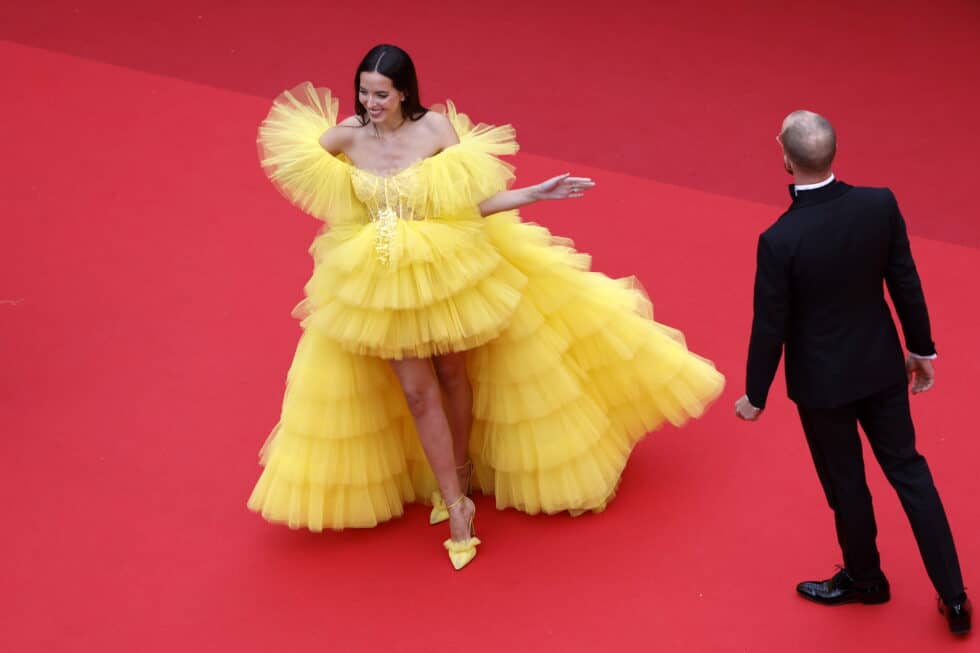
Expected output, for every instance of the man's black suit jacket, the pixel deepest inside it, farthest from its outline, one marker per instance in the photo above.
(819, 293)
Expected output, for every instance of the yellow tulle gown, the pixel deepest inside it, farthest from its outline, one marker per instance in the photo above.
(567, 366)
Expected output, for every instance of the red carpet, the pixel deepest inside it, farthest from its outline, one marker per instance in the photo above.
(149, 270)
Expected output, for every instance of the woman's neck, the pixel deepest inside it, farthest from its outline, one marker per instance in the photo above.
(389, 126)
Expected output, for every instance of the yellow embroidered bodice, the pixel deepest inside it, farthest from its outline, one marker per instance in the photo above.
(394, 195)
(387, 200)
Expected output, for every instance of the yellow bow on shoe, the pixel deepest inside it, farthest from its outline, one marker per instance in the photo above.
(461, 553)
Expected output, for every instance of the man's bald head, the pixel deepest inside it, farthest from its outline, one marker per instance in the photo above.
(809, 141)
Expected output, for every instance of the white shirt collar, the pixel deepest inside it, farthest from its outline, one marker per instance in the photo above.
(826, 182)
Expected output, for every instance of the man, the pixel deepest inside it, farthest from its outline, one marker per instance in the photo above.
(818, 292)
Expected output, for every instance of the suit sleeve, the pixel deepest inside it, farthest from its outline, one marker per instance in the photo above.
(771, 311)
(905, 288)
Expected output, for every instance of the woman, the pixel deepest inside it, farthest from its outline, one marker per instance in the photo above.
(444, 340)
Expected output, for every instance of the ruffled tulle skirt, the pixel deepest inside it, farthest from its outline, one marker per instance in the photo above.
(567, 366)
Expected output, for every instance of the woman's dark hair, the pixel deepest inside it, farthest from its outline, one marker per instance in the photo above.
(395, 64)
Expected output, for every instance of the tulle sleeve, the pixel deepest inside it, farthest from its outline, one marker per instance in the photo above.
(290, 153)
(463, 175)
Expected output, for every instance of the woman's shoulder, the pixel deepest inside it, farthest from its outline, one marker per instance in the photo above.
(339, 137)
(440, 125)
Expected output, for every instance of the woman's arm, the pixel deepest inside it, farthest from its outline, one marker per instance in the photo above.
(557, 188)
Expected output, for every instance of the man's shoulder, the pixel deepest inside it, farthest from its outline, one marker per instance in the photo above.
(869, 201)
(781, 235)
(871, 193)
(783, 226)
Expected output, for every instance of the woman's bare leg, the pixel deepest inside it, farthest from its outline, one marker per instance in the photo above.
(422, 393)
(455, 384)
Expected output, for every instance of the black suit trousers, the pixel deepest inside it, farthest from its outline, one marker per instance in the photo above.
(832, 435)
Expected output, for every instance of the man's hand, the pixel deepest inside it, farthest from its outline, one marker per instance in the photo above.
(745, 410)
(921, 373)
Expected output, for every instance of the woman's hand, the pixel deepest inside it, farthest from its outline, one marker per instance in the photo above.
(561, 187)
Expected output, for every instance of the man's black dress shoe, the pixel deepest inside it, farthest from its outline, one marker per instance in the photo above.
(842, 589)
(957, 615)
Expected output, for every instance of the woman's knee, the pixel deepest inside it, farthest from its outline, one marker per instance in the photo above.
(422, 397)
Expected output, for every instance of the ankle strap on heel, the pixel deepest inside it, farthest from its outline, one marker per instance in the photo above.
(456, 502)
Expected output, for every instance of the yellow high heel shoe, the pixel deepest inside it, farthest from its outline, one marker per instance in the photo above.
(439, 512)
(462, 552)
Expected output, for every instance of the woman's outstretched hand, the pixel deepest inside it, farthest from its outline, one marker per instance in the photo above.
(562, 187)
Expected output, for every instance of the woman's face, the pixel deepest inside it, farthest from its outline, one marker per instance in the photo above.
(382, 100)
